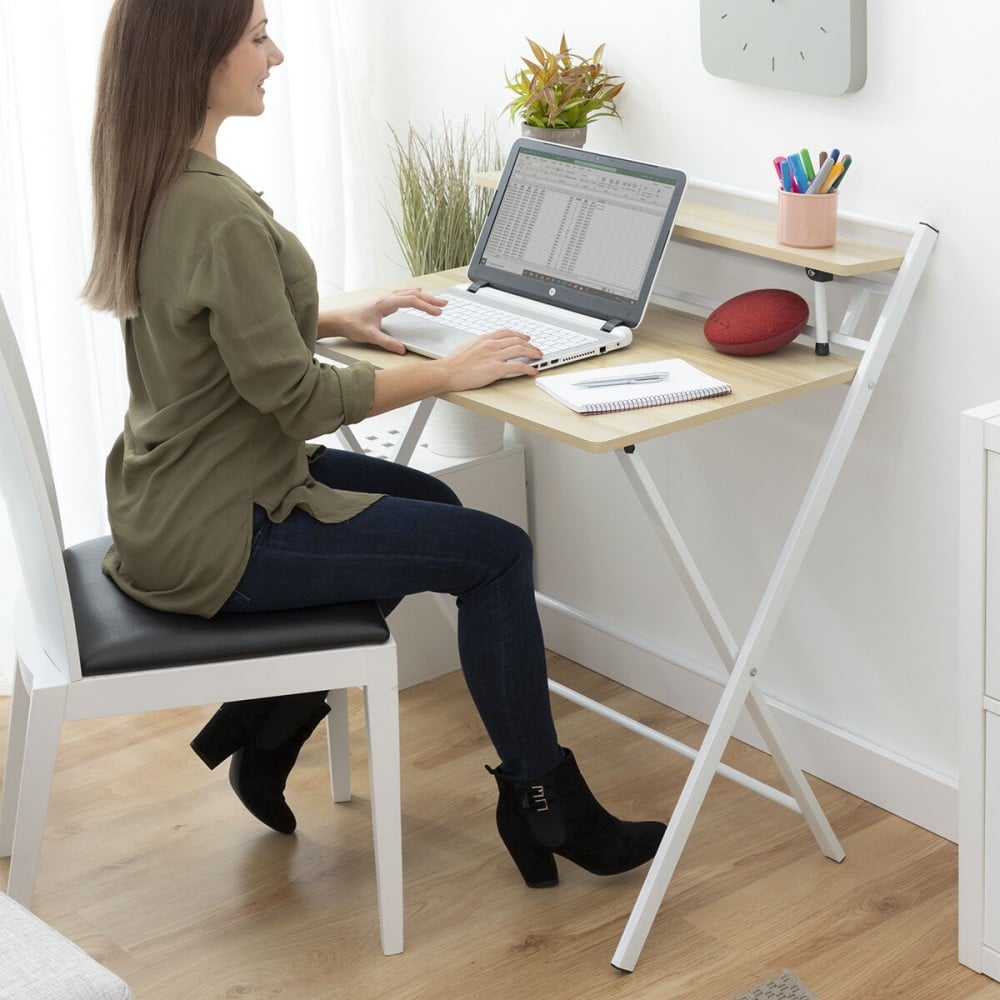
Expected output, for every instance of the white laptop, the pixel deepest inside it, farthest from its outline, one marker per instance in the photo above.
(568, 254)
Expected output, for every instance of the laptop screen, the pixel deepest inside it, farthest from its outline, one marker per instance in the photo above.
(578, 229)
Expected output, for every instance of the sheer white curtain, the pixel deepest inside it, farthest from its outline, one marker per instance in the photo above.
(310, 154)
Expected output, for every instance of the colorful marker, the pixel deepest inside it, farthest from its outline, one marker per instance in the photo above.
(846, 164)
(821, 178)
(786, 175)
(807, 163)
(798, 172)
(834, 175)
(797, 175)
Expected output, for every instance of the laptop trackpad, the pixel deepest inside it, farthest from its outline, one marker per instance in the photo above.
(423, 336)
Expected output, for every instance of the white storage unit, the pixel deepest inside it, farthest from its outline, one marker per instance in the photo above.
(979, 703)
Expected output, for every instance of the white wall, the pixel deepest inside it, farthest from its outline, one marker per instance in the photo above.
(864, 656)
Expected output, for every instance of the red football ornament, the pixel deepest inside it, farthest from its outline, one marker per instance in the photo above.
(757, 322)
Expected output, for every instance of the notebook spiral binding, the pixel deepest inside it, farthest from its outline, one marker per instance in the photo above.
(636, 403)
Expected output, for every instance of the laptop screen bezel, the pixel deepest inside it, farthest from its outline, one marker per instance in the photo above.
(585, 303)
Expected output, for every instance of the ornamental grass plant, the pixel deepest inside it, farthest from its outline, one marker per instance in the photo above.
(441, 209)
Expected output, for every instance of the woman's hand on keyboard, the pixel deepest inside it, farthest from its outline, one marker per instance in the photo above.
(363, 324)
(483, 360)
(489, 357)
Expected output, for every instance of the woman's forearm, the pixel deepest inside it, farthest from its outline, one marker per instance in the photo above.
(408, 384)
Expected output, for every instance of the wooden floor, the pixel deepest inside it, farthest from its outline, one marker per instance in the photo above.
(151, 865)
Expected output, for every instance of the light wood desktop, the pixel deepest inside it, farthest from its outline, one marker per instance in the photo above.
(794, 370)
(663, 333)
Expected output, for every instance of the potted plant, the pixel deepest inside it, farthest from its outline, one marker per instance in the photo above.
(557, 94)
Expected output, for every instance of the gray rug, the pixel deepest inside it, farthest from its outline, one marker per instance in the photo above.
(785, 986)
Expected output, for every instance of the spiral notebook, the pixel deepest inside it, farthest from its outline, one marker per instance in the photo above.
(629, 387)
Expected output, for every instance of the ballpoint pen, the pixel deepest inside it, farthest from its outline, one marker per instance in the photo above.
(600, 383)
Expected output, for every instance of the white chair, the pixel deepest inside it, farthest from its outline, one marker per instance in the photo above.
(85, 650)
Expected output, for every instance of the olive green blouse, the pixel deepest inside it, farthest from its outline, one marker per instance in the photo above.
(225, 392)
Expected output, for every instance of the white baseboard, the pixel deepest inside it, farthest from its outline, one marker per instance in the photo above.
(903, 787)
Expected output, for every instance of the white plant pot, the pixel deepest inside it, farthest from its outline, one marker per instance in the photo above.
(454, 432)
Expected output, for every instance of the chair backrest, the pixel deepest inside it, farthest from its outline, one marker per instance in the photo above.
(29, 491)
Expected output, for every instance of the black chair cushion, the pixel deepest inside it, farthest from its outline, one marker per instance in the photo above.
(117, 634)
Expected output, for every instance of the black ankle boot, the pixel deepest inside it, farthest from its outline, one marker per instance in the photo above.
(558, 814)
(233, 724)
(264, 737)
(259, 769)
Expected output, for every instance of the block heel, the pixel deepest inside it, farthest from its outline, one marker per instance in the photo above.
(220, 737)
(558, 814)
(262, 737)
(535, 861)
(536, 865)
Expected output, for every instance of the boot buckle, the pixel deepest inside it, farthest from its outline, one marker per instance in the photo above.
(537, 801)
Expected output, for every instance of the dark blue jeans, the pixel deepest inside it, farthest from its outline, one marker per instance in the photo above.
(419, 538)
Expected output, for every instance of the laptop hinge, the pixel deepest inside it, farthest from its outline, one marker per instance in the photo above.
(611, 324)
(476, 285)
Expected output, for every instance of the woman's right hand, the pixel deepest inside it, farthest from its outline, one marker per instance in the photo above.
(483, 360)
(489, 357)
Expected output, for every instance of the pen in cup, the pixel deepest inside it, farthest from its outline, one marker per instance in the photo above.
(844, 163)
(820, 179)
(600, 383)
(798, 172)
(807, 163)
(797, 175)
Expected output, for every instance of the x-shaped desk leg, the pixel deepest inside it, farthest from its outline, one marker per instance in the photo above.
(744, 661)
(740, 690)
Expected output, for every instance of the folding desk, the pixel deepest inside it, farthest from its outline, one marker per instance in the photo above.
(803, 367)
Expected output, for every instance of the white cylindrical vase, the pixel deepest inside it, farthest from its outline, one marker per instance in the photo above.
(455, 432)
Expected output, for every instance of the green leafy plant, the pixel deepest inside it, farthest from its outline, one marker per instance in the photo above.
(441, 208)
(562, 89)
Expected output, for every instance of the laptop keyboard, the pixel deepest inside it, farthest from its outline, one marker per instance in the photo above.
(475, 317)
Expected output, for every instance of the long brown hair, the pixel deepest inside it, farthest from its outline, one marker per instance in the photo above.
(152, 92)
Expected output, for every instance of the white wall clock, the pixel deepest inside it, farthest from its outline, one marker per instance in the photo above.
(816, 46)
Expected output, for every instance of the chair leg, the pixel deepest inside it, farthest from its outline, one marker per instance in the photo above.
(14, 763)
(382, 714)
(338, 742)
(46, 711)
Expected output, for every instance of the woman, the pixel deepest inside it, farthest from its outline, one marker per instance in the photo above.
(216, 503)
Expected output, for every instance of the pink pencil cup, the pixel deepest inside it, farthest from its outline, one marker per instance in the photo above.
(807, 220)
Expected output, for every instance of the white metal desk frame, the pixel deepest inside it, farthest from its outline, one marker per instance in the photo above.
(742, 660)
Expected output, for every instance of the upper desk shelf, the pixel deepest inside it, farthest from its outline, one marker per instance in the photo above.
(700, 221)
(720, 227)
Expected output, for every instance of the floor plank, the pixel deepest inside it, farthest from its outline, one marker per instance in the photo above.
(151, 865)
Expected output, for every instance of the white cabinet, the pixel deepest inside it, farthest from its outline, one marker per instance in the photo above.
(979, 700)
